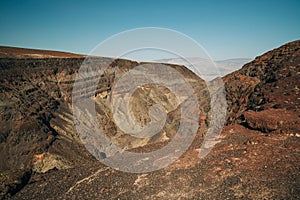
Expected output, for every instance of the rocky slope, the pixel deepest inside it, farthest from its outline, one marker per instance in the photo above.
(38, 132)
(270, 82)
(257, 156)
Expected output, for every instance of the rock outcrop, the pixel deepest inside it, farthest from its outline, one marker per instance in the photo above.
(270, 81)
(273, 120)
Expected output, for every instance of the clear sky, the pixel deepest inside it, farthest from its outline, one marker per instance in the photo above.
(227, 29)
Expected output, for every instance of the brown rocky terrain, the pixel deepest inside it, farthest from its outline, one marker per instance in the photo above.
(38, 132)
(257, 156)
(13, 52)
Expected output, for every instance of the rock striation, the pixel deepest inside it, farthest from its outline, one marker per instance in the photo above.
(37, 125)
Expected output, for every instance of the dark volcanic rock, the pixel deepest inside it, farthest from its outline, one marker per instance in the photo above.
(277, 120)
(30, 98)
(270, 81)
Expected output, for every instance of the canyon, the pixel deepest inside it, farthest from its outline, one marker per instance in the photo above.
(42, 155)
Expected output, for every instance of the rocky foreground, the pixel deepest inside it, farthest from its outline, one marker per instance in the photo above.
(257, 157)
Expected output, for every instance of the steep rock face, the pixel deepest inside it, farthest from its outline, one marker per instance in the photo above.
(30, 95)
(37, 125)
(30, 98)
(270, 81)
(238, 88)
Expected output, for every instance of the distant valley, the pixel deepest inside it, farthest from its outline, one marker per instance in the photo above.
(209, 69)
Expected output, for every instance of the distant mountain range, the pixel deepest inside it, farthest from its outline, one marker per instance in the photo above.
(209, 69)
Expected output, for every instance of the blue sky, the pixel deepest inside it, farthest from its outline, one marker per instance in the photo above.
(226, 29)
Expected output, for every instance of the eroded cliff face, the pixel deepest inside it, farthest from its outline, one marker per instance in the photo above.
(30, 98)
(37, 124)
